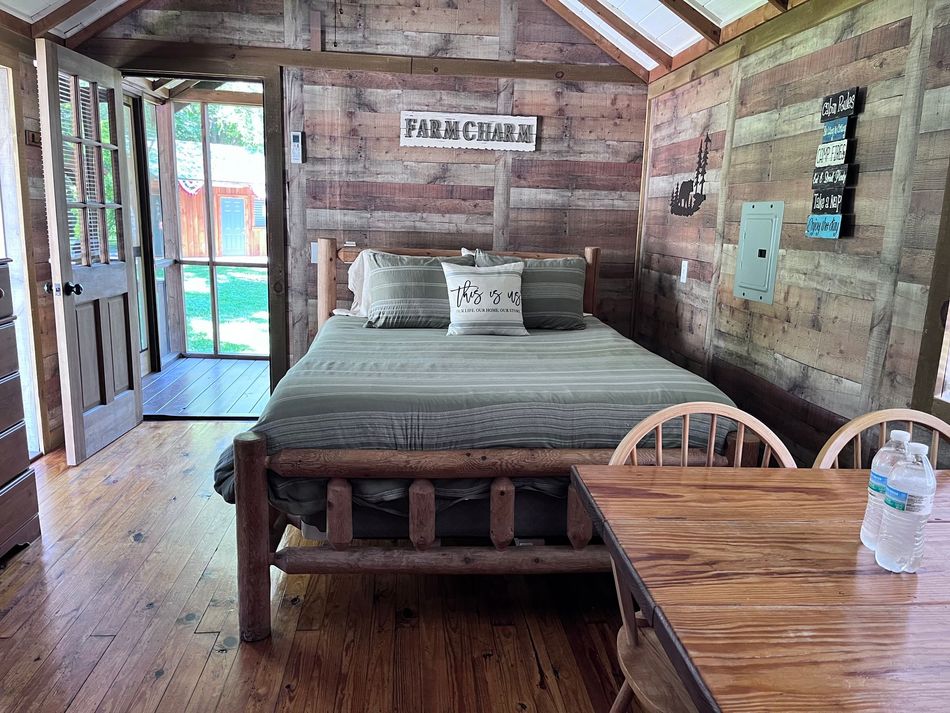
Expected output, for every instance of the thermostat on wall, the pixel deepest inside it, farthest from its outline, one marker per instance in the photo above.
(757, 259)
(297, 147)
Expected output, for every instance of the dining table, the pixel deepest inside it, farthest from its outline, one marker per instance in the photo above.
(756, 584)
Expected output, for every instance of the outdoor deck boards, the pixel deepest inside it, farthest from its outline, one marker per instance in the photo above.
(208, 387)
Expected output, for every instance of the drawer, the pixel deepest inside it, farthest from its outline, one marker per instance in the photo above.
(6, 294)
(11, 402)
(8, 359)
(18, 506)
(14, 453)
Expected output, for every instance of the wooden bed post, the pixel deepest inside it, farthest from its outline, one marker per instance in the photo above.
(253, 535)
(592, 275)
(326, 279)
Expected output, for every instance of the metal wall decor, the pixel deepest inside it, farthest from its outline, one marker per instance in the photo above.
(833, 176)
(689, 195)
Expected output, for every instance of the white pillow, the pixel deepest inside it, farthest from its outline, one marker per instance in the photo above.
(358, 280)
(485, 300)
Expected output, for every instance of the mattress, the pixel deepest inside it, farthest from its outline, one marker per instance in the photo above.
(418, 389)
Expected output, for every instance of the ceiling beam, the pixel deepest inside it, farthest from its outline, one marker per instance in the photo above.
(749, 21)
(156, 58)
(159, 83)
(625, 29)
(12, 22)
(697, 20)
(608, 47)
(107, 20)
(58, 16)
(780, 5)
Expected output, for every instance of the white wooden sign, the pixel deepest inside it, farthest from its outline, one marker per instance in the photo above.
(834, 153)
(435, 129)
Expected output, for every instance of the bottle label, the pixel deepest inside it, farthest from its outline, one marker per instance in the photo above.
(905, 502)
(877, 483)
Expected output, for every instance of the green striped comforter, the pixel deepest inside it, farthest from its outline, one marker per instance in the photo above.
(417, 389)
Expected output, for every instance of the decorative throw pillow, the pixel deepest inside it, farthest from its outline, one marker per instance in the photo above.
(485, 300)
(552, 289)
(408, 291)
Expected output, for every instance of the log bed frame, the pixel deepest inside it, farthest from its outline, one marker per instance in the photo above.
(260, 527)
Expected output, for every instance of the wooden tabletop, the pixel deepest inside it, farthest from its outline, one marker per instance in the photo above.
(761, 592)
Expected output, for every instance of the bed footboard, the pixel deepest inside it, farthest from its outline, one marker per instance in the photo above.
(259, 527)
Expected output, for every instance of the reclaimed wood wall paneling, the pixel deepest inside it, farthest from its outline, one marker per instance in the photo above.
(813, 341)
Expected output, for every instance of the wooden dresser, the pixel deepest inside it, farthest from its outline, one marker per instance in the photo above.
(19, 514)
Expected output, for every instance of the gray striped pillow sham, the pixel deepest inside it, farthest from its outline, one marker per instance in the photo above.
(552, 289)
(409, 291)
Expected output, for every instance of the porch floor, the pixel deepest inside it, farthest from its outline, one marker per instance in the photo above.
(207, 387)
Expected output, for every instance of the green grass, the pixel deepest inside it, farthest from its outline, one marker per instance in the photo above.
(242, 310)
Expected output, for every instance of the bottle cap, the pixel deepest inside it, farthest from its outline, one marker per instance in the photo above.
(902, 436)
(917, 449)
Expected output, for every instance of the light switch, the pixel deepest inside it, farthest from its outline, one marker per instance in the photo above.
(684, 270)
(757, 255)
(314, 246)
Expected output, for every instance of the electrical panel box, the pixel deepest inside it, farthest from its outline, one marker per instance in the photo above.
(757, 257)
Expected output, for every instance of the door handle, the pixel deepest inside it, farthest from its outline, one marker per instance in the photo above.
(68, 288)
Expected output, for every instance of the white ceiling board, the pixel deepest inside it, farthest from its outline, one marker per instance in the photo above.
(722, 12)
(87, 16)
(657, 23)
(618, 40)
(30, 10)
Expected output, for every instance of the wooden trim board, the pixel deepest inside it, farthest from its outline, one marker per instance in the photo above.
(186, 59)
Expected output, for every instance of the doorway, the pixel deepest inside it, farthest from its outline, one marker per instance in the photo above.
(205, 171)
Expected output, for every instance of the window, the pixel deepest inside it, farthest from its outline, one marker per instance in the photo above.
(260, 216)
(89, 160)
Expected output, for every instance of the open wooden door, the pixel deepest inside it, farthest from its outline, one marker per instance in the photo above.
(93, 277)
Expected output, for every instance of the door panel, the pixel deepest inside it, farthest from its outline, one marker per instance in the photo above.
(93, 276)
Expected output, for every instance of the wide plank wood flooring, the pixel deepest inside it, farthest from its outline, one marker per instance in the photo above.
(128, 604)
(193, 387)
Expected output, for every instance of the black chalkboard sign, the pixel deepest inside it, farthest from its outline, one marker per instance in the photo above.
(843, 103)
(831, 177)
(828, 202)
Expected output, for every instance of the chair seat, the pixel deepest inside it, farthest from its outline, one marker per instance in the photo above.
(657, 687)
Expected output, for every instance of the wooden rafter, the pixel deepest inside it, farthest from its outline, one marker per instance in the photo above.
(751, 20)
(58, 16)
(625, 29)
(780, 5)
(107, 20)
(12, 22)
(159, 83)
(697, 20)
(608, 47)
(183, 87)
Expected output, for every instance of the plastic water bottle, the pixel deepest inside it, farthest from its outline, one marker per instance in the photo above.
(893, 452)
(908, 501)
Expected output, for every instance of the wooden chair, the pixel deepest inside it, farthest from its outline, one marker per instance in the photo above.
(650, 681)
(853, 432)
(627, 451)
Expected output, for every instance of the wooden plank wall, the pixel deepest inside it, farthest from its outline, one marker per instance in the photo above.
(48, 361)
(580, 188)
(814, 345)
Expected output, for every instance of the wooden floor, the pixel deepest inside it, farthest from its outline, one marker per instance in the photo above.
(193, 387)
(128, 604)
